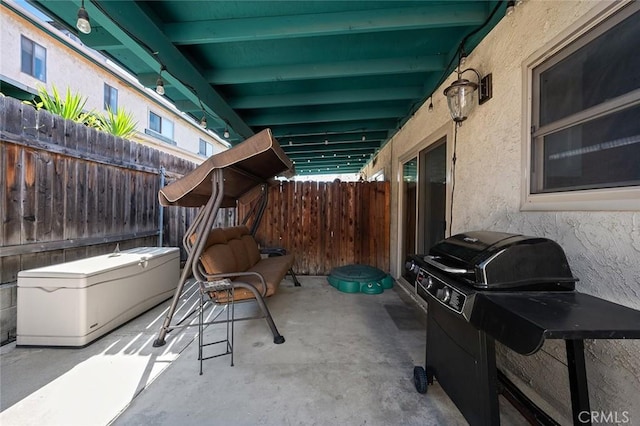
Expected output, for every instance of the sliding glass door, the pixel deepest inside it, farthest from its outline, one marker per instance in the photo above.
(432, 195)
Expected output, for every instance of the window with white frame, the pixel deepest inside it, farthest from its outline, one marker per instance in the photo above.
(586, 103)
(110, 98)
(206, 148)
(33, 59)
(160, 128)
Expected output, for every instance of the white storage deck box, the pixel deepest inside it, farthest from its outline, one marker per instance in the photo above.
(74, 303)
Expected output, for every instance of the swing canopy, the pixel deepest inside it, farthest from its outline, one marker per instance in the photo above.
(246, 165)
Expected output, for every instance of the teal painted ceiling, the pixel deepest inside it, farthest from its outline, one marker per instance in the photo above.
(334, 80)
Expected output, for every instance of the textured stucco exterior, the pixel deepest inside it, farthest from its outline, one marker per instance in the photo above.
(603, 247)
(72, 65)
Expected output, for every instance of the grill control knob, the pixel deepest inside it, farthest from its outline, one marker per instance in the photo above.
(444, 294)
(411, 267)
(429, 283)
(447, 295)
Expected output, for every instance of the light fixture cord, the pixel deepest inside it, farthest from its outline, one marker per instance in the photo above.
(453, 174)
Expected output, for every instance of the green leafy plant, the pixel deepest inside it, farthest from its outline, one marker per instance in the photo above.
(120, 123)
(70, 107)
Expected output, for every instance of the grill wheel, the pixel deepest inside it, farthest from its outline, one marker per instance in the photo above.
(420, 379)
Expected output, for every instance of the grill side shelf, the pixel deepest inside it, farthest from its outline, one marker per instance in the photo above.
(522, 321)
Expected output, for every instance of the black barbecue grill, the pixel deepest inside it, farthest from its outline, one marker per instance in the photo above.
(485, 285)
(458, 267)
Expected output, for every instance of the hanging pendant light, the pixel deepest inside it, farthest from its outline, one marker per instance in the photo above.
(160, 86)
(83, 23)
(160, 82)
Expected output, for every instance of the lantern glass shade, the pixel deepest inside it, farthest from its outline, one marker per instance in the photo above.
(160, 87)
(83, 21)
(460, 98)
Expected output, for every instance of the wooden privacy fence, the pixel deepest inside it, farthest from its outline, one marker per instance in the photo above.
(328, 224)
(68, 192)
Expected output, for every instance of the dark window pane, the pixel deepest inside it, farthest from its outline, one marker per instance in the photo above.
(433, 181)
(110, 98)
(155, 122)
(27, 56)
(607, 67)
(106, 96)
(602, 153)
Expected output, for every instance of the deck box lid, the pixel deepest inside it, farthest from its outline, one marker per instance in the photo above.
(97, 265)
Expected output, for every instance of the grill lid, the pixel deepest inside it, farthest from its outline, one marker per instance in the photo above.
(487, 259)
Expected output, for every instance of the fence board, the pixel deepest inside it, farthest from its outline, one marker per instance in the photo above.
(139, 202)
(386, 195)
(92, 199)
(103, 224)
(9, 267)
(337, 224)
(358, 226)
(58, 131)
(44, 205)
(58, 198)
(129, 207)
(11, 225)
(315, 235)
(115, 148)
(286, 216)
(119, 194)
(81, 198)
(28, 191)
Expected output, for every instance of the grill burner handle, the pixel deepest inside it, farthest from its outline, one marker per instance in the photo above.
(431, 261)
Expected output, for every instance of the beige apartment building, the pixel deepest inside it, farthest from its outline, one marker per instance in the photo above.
(36, 53)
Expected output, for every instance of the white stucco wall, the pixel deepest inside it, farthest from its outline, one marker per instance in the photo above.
(603, 247)
(87, 76)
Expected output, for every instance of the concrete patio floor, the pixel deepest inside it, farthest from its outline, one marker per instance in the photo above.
(348, 360)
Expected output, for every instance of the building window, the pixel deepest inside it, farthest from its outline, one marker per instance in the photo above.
(161, 128)
(586, 100)
(34, 59)
(110, 98)
(155, 122)
(206, 148)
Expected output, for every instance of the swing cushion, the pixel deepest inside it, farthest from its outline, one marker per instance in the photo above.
(234, 250)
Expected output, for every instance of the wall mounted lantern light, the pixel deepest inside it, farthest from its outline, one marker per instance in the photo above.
(461, 94)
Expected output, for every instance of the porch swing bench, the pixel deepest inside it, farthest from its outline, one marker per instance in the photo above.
(233, 254)
(227, 262)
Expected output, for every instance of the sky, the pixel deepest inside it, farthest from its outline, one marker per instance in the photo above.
(33, 10)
